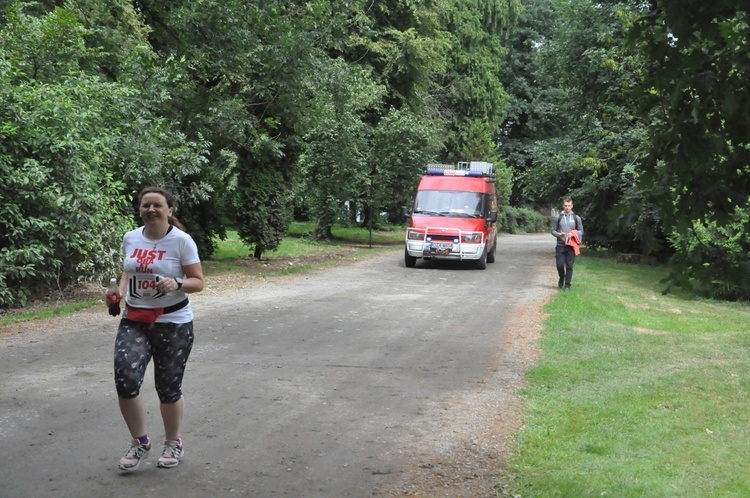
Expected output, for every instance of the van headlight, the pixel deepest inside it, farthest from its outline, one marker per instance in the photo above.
(412, 235)
(472, 238)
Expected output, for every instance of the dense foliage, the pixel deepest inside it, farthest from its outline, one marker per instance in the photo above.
(253, 113)
(697, 88)
(249, 112)
(639, 110)
(72, 137)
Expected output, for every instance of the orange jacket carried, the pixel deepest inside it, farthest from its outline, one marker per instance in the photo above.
(574, 240)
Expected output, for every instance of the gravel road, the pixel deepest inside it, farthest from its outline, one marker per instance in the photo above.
(367, 379)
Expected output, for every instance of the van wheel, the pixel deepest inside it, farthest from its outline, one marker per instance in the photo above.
(491, 255)
(481, 263)
(409, 261)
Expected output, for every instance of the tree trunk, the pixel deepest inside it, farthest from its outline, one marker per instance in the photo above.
(322, 230)
(353, 213)
(364, 221)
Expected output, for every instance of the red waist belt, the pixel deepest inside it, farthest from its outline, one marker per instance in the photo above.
(149, 315)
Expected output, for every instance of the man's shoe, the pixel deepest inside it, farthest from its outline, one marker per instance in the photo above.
(134, 456)
(567, 289)
(171, 454)
(561, 282)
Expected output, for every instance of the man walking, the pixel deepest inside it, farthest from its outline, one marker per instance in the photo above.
(568, 230)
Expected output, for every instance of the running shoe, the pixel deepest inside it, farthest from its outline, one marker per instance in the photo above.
(135, 454)
(171, 454)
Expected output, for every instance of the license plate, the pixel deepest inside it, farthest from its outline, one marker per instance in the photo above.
(443, 248)
(442, 245)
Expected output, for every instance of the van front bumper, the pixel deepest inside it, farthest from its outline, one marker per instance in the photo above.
(444, 250)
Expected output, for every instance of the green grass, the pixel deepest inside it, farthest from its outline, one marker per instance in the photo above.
(637, 394)
(47, 312)
(233, 248)
(298, 242)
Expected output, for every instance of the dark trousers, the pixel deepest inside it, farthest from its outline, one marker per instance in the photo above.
(565, 256)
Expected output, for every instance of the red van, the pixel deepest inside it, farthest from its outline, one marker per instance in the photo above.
(454, 215)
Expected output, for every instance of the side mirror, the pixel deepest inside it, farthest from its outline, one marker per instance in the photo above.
(493, 217)
(404, 212)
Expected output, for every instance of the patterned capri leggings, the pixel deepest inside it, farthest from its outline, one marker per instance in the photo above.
(168, 343)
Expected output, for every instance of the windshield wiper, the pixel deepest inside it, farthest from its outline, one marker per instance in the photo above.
(434, 213)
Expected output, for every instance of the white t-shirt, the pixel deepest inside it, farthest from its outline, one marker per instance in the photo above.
(147, 262)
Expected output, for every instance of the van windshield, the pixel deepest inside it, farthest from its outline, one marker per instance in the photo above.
(449, 203)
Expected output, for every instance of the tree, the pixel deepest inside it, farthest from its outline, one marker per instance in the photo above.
(574, 131)
(401, 46)
(531, 92)
(405, 44)
(247, 92)
(155, 150)
(402, 144)
(696, 88)
(649, 114)
(66, 137)
(264, 204)
(472, 95)
(333, 165)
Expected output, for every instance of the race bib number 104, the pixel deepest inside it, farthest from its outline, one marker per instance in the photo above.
(143, 286)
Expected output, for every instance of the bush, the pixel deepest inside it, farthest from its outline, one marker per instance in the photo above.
(713, 260)
(63, 210)
(72, 146)
(522, 220)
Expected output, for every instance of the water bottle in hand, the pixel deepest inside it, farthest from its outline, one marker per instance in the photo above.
(113, 297)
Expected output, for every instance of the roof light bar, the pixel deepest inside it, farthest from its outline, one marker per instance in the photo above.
(470, 168)
(454, 172)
